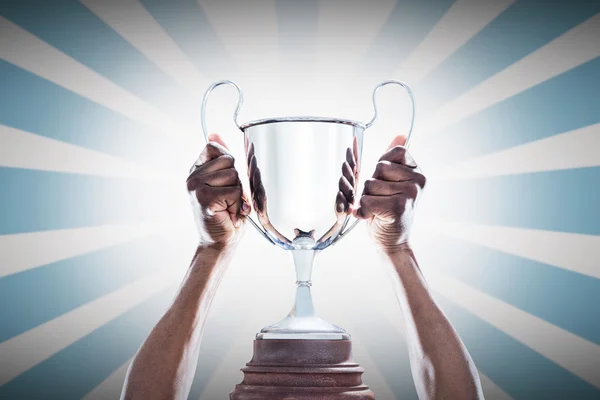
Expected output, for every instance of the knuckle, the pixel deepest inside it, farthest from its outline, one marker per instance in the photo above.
(370, 184)
(412, 191)
(230, 159)
(380, 167)
(421, 180)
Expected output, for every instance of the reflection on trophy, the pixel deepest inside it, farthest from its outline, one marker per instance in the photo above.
(303, 174)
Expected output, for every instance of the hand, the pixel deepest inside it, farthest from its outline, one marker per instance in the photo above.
(347, 183)
(220, 207)
(389, 198)
(344, 200)
(259, 196)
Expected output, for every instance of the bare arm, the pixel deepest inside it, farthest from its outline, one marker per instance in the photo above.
(441, 365)
(164, 366)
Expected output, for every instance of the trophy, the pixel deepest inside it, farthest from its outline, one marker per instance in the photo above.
(303, 173)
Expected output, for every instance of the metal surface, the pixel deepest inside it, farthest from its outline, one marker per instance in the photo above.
(294, 168)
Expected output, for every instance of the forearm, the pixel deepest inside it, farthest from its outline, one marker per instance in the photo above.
(164, 366)
(441, 365)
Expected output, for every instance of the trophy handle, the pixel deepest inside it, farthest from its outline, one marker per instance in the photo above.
(344, 231)
(205, 100)
(412, 100)
(235, 116)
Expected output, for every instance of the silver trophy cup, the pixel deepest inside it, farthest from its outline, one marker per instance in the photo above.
(294, 168)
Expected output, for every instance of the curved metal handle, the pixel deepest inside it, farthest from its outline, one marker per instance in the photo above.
(235, 116)
(205, 100)
(412, 99)
(344, 231)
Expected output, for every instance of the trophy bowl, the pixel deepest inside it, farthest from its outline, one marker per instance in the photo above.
(296, 166)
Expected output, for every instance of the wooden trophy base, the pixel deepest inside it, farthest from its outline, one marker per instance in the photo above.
(297, 369)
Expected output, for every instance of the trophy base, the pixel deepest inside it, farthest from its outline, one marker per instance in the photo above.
(283, 369)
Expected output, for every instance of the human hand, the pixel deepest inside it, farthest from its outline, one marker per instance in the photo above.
(390, 196)
(259, 195)
(219, 204)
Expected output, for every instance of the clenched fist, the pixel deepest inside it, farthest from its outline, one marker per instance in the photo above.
(219, 204)
(389, 197)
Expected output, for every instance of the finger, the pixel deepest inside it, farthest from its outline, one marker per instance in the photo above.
(399, 155)
(399, 140)
(211, 151)
(224, 198)
(355, 152)
(224, 177)
(350, 159)
(215, 137)
(376, 187)
(388, 171)
(259, 195)
(222, 162)
(348, 174)
(250, 153)
(381, 207)
(346, 189)
(252, 168)
(246, 208)
(341, 203)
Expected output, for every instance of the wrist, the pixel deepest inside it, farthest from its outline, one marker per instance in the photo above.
(399, 249)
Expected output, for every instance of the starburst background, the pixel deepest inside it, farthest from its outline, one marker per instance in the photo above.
(99, 113)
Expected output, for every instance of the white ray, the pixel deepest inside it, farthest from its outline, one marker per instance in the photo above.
(460, 23)
(28, 52)
(348, 28)
(373, 376)
(25, 251)
(131, 20)
(248, 30)
(111, 387)
(22, 149)
(571, 251)
(239, 352)
(345, 31)
(568, 51)
(38, 344)
(574, 149)
(491, 390)
(575, 354)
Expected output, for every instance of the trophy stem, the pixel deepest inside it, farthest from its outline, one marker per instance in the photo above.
(303, 261)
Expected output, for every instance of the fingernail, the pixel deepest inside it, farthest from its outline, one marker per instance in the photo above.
(245, 206)
(340, 207)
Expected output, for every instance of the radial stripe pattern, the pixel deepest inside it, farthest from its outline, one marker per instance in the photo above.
(99, 124)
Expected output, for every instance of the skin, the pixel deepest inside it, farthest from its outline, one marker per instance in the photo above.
(165, 364)
(441, 365)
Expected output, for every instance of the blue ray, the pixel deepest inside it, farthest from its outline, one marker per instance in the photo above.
(44, 293)
(72, 28)
(189, 27)
(565, 201)
(388, 350)
(523, 28)
(77, 369)
(297, 27)
(517, 369)
(39, 200)
(408, 24)
(567, 102)
(558, 296)
(33, 104)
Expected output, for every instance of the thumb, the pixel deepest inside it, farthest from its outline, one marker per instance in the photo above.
(215, 137)
(399, 140)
